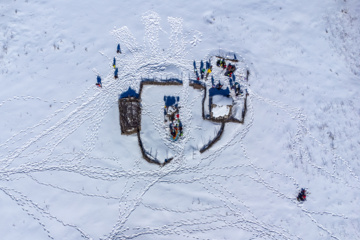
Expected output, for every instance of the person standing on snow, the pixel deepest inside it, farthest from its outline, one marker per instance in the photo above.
(98, 82)
(116, 73)
(302, 195)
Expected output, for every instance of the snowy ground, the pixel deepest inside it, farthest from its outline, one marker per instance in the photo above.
(67, 173)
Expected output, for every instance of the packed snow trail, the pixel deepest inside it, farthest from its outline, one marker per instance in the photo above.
(196, 196)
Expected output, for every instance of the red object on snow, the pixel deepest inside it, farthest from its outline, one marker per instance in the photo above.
(177, 115)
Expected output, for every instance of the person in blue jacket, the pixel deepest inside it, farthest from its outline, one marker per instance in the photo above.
(116, 73)
(98, 79)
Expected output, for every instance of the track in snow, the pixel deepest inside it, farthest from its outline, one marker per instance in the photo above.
(223, 194)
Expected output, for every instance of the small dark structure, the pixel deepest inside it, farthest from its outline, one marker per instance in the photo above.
(130, 112)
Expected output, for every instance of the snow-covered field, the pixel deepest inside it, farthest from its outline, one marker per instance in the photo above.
(66, 171)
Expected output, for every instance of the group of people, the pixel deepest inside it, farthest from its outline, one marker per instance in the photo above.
(237, 89)
(230, 69)
(172, 115)
(176, 128)
(116, 71)
(204, 72)
(221, 63)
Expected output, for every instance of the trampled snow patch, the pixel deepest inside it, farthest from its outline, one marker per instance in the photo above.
(67, 172)
(222, 106)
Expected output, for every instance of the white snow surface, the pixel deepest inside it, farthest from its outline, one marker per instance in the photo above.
(222, 106)
(220, 111)
(66, 172)
(221, 100)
